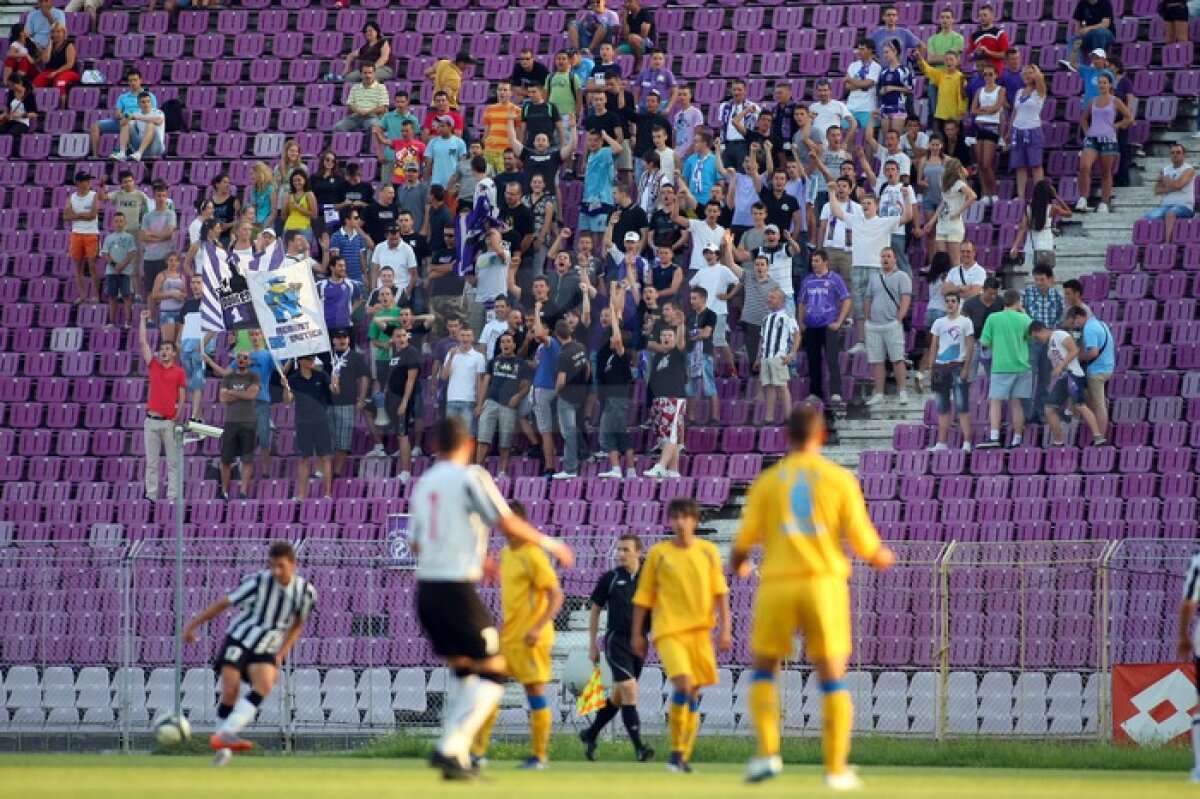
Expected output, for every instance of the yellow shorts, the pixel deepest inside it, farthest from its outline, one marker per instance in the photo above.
(689, 653)
(817, 606)
(527, 664)
(495, 159)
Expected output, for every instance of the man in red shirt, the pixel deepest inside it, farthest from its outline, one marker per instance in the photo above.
(168, 381)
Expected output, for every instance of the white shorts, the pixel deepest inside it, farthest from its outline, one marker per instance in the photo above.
(885, 342)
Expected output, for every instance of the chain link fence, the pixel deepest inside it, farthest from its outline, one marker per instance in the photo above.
(958, 639)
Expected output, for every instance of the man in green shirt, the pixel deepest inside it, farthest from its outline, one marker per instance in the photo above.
(940, 43)
(1007, 335)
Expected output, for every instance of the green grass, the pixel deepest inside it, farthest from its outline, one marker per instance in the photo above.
(120, 777)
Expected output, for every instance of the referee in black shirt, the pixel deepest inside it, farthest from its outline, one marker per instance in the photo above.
(615, 591)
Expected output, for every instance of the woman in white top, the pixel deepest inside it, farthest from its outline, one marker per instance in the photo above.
(1025, 155)
(1037, 223)
(987, 106)
(203, 214)
(947, 224)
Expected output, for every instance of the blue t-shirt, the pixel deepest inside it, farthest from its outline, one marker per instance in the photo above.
(444, 155)
(599, 178)
(745, 196)
(262, 363)
(351, 248)
(127, 103)
(701, 176)
(547, 364)
(1096, 334)
(1091, 87)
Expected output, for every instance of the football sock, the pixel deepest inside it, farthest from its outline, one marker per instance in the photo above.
(223, 711)
(677, 720)
(484, 696)
(603, 716)
(540, 724)
(633, 725)
(458, 702)
(837, 716)
(693, 727)
(483, 738)
(242, 714)
(764, 710)
(1196, 743)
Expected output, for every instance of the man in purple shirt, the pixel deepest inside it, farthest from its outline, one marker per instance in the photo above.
(891, 30)
(823, 308)
(340, 295)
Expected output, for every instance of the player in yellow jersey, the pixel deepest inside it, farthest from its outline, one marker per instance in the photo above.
(530, 598)
(802, 511)
(680, 586)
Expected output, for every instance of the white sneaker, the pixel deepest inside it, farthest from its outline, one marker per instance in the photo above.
(137, 156)
(501, 476)
(763, 768)
(377, 452)
(656, 471)
(223, 756)
(671, 474)
(938, 448)
(417, 452)
(1102, 208)
(118, 156)
(318, 474)
(812, 399)
(563, 476)
(1081, 205)
(919, 381)
(995, 199)
(966, 446)
(846, 781)
(857, 348)
(631, 473)
(404, 477)
(874, 399)
(902, 398)
(985, 200)
(836, 399)
(610, 473)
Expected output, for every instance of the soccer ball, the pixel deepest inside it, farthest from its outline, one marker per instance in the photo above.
(170, 729)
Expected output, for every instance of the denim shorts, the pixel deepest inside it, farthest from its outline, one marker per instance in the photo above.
(959, 390)
(704, 385)
(193, 364)
(1101, 146)
(1011, 385)
(614, 429)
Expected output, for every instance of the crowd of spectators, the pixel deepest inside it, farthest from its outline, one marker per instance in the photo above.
(701, 252)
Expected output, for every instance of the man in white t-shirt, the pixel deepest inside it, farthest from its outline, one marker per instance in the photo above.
(497, 326)
(893, 196)
(722, 280)
(826, 111)
(704, 232)
(870, 233)
(954, 342)
(834, 236)
(891, 150)
(491, 279)
(399, 255)
(145, 132)
(1068, 381)
(966, 279)
(464, 370)
(861, 77)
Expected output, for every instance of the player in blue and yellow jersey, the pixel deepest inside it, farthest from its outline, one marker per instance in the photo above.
(530, 599)
(681, 586)
(803, 511)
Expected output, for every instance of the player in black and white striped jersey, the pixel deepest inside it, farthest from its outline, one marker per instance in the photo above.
(1189, 646)
(453, 506)
(273, 605)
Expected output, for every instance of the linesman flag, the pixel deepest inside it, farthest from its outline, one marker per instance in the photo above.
(593, 695)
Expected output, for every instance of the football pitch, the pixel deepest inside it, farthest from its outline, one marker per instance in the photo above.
(323, 777)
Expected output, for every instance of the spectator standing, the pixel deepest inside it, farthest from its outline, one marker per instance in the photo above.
(1025, 156)
(983, 304)
(685, 122)
(1176, 14)
(119, 252)
(1123, 90)
(544, 385)
(309, 389)
(778, 346)
(890, 31)
(823, 310)
(732, 113)
(615, 368)
(351, 245)
(572, 378)
(668, 385)
(988, 42)
(894, 88)
(167, 297)
(1090, 72)
(1069, 385)
(887, 302)
(300, 207)
(163, 406)
(757, 284)
(951, 85)
(464, 370)
(1037, 226)
(720, 279)
(1100, 126)
(862, 76)
(341, 296)
(239, 390)
(827, 112)
(527, 74)
(350, 385)
(191, 346)
(965, 279)
(398, 255)
(989, 106)
(598, 182)
(953, 339)
(894, 197)
(834, 236)
(82, 211)
(946, 224)
(402, 396)
(367, 103)
(1176, 188)
(443, 152)
(701, 327)
(505, 387)
(157, 236)
(945, 40)
(564, 89)
(1006, 334)
(1098, 354)
(497, 119)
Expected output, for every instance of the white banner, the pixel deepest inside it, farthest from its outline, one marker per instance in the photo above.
(226, 304)
(290, 314)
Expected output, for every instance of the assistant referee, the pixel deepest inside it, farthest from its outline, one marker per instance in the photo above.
(615, 590)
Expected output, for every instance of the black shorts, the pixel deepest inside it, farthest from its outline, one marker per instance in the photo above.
(402, 424)
(1173, 11)
(987, 133)
(619, 653)
(234, 654)
(314, 438)
(455, 620)
(238, 441)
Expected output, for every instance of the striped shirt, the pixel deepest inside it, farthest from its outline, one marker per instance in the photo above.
(1046, 308)
(268, 610)
(778, 332)
(1191, 593)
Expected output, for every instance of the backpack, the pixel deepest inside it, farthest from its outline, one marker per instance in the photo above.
(175, 116)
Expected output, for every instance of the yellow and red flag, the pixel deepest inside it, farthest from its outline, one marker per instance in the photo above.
(593, 696)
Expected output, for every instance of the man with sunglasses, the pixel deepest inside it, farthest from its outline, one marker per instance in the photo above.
(239, 391)
(527, 73)
(350, 242)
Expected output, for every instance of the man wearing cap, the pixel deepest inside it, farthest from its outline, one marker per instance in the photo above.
(779, 248)
(721, 280)
(368, 101)
(440, 107)
(1091, 72)
(83, 211)
(401, 258)
(349, 384)
(311, 392)
(447, 75)
(443, 152)
(1092, 23)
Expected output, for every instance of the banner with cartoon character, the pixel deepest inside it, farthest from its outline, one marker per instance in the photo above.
(226, 304)
(289, 312)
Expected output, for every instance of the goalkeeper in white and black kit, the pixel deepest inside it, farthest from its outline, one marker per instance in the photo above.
(453, 506)
(273, 605)
(614, 591)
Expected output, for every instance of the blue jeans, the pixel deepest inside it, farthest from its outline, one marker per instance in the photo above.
(569, 427)
(1039, 363)
(1102, 38)
(464, 411)
(900, 245)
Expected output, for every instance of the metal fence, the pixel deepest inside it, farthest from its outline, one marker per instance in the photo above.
(959, 639)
